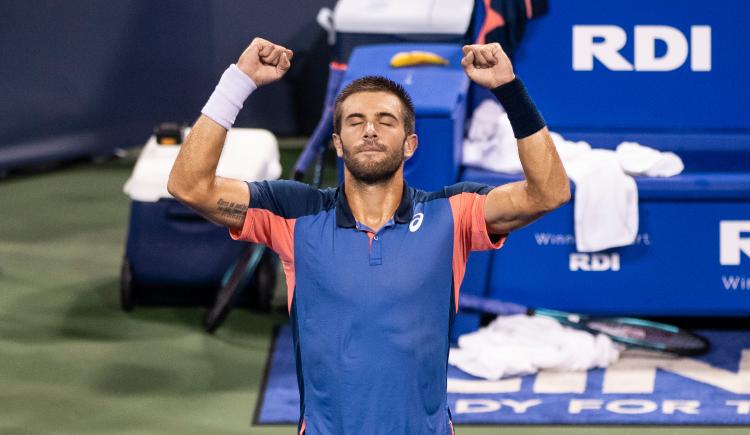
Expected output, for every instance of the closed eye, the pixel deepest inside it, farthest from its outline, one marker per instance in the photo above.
(387, 119)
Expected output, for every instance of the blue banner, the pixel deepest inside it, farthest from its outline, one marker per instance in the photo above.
(640, 64)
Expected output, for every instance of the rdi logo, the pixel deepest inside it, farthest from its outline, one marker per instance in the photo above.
(732, 243)
(605, 42)
(594, 262)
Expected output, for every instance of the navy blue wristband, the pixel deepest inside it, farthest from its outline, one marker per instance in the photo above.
(522, 113)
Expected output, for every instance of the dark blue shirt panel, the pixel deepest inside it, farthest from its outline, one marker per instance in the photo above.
(290, 199)
(454, 189)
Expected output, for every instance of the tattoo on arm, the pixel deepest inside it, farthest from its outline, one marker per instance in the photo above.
(232, 210)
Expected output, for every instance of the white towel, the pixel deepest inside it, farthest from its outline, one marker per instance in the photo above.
(490, 143)
(606, 201)
(637, 159)
(606, 198)
(520, 345)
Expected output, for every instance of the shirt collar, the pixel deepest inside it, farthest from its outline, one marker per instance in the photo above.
(344, 217)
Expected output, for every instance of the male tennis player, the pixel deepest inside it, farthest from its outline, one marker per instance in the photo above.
(374, 266)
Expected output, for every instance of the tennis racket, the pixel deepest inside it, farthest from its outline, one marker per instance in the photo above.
(630, 331)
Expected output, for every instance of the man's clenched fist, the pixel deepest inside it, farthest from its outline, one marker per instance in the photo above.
(487, 65)
(264, 61)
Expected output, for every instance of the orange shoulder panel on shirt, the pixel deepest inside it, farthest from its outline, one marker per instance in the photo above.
(262, 226)
(469, 233)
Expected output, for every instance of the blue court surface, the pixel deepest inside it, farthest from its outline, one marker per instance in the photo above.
(641, 389)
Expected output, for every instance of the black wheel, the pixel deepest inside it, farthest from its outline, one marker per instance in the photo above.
(127, 299)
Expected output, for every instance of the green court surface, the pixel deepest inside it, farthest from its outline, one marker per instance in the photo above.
(71, 362)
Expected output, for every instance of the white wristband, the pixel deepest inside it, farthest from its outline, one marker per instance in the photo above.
(231, 92)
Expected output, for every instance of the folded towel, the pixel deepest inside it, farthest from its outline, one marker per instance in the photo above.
(520, 345)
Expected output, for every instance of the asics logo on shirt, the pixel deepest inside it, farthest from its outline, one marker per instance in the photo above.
(416, 222)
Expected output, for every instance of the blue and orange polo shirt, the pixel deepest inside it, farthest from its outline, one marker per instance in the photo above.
(371, 312)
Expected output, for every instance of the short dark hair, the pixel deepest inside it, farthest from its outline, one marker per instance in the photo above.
(376, 84)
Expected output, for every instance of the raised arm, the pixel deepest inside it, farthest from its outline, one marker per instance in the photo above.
(546, 187)
(193, 179)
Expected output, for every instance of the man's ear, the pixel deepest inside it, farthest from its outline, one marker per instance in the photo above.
(410, 145)
(337, 144)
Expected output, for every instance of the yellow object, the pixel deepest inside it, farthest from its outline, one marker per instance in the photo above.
(411, 58)
(168, 141)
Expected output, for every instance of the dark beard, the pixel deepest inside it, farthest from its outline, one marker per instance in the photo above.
(373, 172)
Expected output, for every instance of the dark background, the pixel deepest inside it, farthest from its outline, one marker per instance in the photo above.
(81, 75)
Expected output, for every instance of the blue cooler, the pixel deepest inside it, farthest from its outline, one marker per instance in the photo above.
(439, 95)
(173, 256)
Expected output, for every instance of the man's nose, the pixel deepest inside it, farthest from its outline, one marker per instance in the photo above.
(370, 129)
